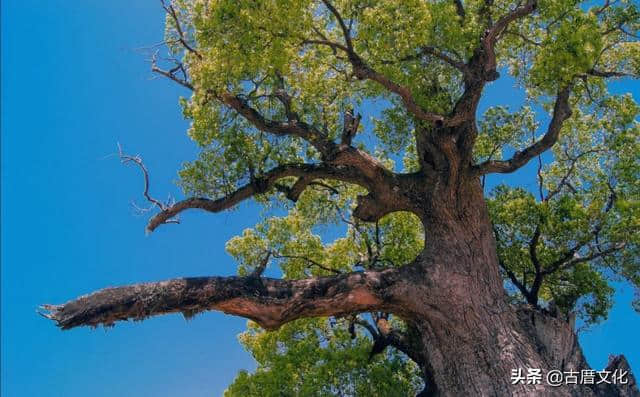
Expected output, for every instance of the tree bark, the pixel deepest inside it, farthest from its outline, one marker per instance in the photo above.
(466, 337)
(472, 338)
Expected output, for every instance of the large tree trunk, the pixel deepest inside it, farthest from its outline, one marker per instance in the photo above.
(471, 337)
(464, 334)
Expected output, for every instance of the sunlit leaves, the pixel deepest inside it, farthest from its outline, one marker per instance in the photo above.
(572, 49)
(500, 129)
(588, 216)
(567, 39)
(585, 213)
(300, 251)
(316, 357)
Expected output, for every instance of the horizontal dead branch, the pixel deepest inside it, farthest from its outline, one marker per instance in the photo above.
(267, 301)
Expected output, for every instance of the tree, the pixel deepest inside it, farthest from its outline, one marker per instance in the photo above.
(462, 287)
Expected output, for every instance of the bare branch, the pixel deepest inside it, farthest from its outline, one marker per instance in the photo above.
(170, 74)
(181, 37)
(269, 302)
(125, 159)
(259, 185)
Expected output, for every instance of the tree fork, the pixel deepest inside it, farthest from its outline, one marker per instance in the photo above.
(466, 337)
(471, 338)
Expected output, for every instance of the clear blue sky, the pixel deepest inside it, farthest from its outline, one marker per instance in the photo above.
(74, 83)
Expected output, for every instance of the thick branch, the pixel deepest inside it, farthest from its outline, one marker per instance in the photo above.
(292, 128)
(269, 302)
(350, 127)
(365, 324)
(533, 253)
(493, 33)
(346, 32)
(257, 272)
(257, 186)
(521, 287)
(459, 8)
(363, 71)
(561, 112)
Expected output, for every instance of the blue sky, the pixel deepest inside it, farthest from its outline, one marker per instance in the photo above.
(75, 81)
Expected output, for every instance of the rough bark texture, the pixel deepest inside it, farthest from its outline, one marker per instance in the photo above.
(269, 302)
(463, 333)
(465, 336)
(471, 337)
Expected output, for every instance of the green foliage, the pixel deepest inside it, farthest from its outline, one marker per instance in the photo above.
(317, 357)
(572, 49)
(296, 242)
(567, 38)
(501, 129)
(590, 201)
(587, 200)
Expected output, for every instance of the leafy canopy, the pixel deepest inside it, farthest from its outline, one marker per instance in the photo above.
(561, 240)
